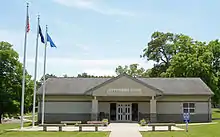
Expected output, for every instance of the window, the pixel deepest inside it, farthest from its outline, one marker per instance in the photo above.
(188, 107)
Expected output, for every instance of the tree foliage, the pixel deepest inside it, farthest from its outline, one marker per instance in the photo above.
(11, 82)
(178, 55)
(132, 70)
(85, 75)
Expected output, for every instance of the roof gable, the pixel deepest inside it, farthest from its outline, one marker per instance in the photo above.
(124, 85)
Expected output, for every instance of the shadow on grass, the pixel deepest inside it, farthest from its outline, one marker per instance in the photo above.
(217, 111)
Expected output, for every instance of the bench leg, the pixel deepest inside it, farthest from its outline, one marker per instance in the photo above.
(44, 128)
(169, 128)
(60, 128)
(80, 128)
(96, 128)
(153, 128)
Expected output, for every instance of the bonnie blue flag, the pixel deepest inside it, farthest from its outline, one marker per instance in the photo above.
(41, 35)
(50, 40)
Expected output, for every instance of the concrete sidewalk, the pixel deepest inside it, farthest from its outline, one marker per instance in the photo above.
(124, 130)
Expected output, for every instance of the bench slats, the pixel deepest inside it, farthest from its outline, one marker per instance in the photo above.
(161, 124)
(71, 122)
(94, 122)
(89, 125)
(50, 125)
(153, 125)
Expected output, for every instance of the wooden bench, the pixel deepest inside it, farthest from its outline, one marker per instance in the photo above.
(161, 124)
(52, 125)
(71, 122)
(95, 122)
(89, 125)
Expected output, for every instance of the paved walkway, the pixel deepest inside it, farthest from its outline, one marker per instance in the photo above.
(124, 130)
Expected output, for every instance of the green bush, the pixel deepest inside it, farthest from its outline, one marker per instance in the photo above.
(143, 122)
(105, 122)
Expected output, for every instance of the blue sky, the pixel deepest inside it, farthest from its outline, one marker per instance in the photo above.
(95, 36)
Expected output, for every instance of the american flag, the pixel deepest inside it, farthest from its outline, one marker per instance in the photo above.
(28, 24)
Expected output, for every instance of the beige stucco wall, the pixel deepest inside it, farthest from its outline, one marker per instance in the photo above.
(144, 107)
(202, 107)
(83, 104)
(169, 107)
(177, 107)
(68, 107)
(68, 98)
(124, 83)
(183, 98)
(104, 107)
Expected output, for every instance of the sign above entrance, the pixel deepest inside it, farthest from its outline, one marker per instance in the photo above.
(124, 90)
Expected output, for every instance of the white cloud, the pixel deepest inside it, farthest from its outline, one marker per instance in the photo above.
(95, 6)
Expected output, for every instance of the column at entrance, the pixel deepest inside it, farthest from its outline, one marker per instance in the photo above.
(94, 114)
(153, 109)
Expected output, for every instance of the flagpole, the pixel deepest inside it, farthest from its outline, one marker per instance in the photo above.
(35, 72)
(43, 98)
(24, 67)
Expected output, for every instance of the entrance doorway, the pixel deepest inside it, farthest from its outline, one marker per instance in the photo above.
(124, 112)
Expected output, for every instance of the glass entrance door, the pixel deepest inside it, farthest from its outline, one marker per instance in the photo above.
(127, 113)
(124, 112)
(119, 112)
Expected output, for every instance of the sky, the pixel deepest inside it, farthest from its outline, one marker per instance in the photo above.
(95, 36)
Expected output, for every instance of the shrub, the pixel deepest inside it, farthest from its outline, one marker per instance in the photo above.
(105, 122)
(143, 122)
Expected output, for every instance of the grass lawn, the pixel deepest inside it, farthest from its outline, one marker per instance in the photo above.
(216, 113)
(54, 134)
(4, 133)
(212, 130)
(11, 126)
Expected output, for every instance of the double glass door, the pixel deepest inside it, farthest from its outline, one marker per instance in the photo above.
(123, 112)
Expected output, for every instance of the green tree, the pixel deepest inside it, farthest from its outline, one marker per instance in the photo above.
(46, 77)
(11, 81)
(85, 75)
(162, 48)
(65, 76)
(197, 60)
(133, 70)
(178, 55)
(214, 47)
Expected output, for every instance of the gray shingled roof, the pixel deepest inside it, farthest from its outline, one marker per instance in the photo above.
(71, 85)
(169, 86)
(183, 86)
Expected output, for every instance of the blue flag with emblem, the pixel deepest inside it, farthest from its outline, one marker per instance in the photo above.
(50, 40)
